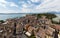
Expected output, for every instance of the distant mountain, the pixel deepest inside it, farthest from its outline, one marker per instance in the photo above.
(54, 12)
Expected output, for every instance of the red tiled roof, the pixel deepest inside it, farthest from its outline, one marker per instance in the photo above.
(57, 27)
(41, 32)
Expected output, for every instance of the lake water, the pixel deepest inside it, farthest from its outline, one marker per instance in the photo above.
(6, 16)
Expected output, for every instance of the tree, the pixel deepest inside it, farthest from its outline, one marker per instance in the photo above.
(48, 15)
(2, 21)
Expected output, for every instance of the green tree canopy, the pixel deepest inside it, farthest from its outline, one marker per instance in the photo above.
(2, 21)
(48, 15)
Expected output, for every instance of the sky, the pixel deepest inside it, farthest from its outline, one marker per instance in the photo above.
(29, 6)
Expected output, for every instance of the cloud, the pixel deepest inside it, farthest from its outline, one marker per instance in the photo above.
(13, 4)
(3, 3)
(50, 6)
(36, 0)
(44, 6)
(30, 6)
(8, 11)
(5, 7)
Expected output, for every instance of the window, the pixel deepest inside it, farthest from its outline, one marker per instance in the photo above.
(4, 36)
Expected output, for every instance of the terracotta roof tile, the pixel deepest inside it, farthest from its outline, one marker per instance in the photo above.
(57, 27)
